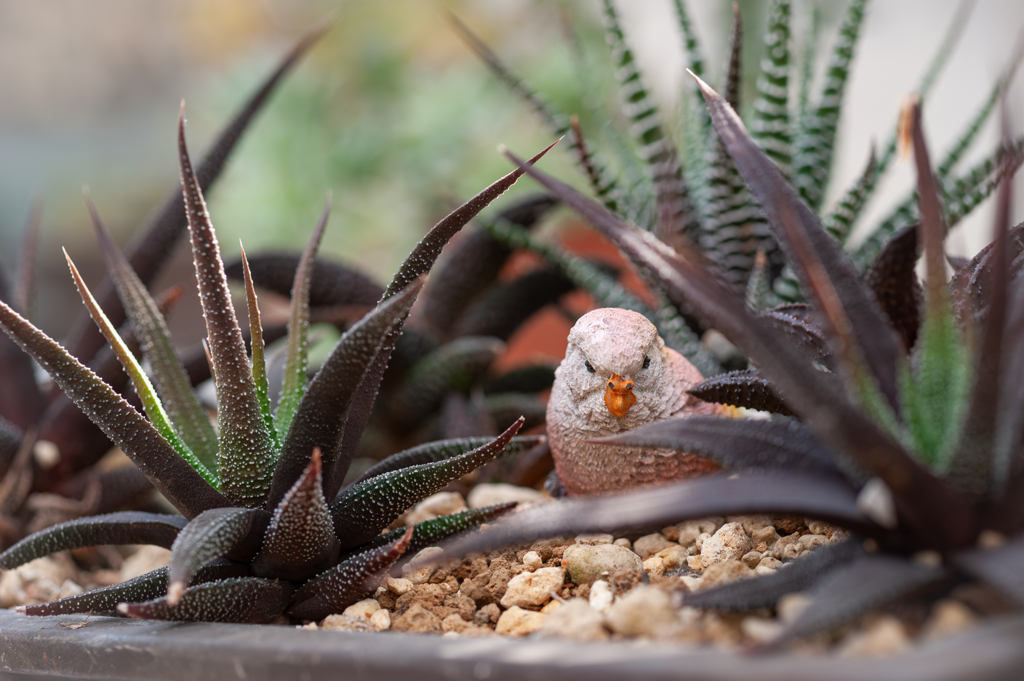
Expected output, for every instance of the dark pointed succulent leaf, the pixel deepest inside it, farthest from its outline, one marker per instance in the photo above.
(803, 333)
(363, 510)
(10, 442)
(104, 601)
(532, 378)
(504, 308)
(125, 527)
(80, 441)
(416, 264)
(453, 367)
(143, 388)
(358, 415)
(504, 407)
(893, 280)
(246, 458)
(239, 599)
(186, 415)
(970, 284)
(16, 482)
(321, 414)
(765, 592)
(473, 264)
(971, 465)
(802, 494)
(734, 443)
(871, 581)
(1008, 514)
(920, 497)
(331, 283)
(210, 535)
(426, 251)
(258, 361)
(442, 450)
(998, 566)
(433, 532)
(24, 295)
(21, 402)
(154, 247)
(128, 429)
(934, 393)
(838, 223)
(296, 368)
(300, 540)
(746, 388)
(342, 585)
(858, 328)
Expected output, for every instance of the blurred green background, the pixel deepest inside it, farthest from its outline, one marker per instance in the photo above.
(391, 112)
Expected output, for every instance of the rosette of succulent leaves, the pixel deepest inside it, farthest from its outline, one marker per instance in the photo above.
(690, 193)
(907, 412)
(34, 496)
(265, 528)
(439, 383)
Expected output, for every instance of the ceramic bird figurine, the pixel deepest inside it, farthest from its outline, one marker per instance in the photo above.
(618, 375)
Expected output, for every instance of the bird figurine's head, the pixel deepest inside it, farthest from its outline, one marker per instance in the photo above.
(613, 361)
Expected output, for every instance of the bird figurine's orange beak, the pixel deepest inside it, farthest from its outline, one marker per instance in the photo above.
(619, 397)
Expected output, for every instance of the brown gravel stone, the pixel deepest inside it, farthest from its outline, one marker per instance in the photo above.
(576, 620)
(417, 620)
(725, 572)
(751, 559)
(788, 524)
(649, 544)
(518, 622)
(489, 613)
(730, 542)
(788, 548)
(767, 536)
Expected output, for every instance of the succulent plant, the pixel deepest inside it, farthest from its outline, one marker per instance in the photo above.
(265, 528)
(691, 194)
(32, 496)
(438, 383)
(915, 447)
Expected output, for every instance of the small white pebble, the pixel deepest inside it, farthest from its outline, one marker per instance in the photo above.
(381, 620)
(399, 586)
(654, 566)
(594, 539)
(532, 560)
(364, 608)
(423, 565)
(622, 541)
(601, 596)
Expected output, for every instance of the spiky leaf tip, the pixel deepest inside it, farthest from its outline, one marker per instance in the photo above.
(363, 510)
(247, 455)
(342, 585)
(300, 540)
(239, 599)
(296, 366)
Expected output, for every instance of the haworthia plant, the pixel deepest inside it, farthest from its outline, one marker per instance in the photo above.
(267, 503)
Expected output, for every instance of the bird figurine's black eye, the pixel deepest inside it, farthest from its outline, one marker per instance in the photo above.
(589, 368)
(647, 361)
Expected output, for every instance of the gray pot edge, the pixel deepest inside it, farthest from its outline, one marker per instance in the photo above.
(115, 648)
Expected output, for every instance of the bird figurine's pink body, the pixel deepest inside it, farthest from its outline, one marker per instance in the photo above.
(618, 375)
